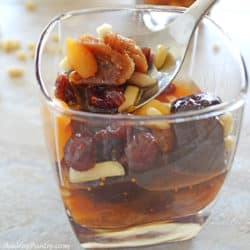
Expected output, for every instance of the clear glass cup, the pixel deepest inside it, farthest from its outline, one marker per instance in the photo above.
(170, 196)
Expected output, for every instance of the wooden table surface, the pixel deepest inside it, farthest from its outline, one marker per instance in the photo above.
(31, 212)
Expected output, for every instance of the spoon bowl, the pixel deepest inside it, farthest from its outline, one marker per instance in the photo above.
(176, 36)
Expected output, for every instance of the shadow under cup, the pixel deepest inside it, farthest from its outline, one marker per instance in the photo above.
(170, 197)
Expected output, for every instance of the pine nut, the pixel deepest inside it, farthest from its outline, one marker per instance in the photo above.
(227, 122)
(160, 56)
(15, 72)
(103, 30)
(64, 64)
(229, 143)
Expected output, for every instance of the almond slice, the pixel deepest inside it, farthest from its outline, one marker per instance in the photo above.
(100, 170)
(131, 95)
(142, 80)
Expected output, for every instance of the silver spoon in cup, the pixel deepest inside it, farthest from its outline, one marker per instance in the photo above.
(177, 36)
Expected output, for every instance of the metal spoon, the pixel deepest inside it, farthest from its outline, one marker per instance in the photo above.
(177, 36)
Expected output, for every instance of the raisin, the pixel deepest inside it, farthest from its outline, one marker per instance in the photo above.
(200, 143)
(80, 151)
(104, 99)
(142, 152)
(64, 90)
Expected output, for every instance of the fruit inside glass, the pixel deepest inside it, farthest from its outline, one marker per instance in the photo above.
(155, 176)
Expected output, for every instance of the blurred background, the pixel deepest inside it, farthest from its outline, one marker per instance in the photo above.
(30, 207)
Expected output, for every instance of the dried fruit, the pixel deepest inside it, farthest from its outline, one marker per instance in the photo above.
(81, 59)
(125, 45)
(105, 99)
(194, 102)
(142, 152)
(114, 68)
(80, 151)
(169, 91)
(110, 142)
(100, 170)
(64, 132)
(165, 138)
(200, 143)
(185, 88)
(64, 90)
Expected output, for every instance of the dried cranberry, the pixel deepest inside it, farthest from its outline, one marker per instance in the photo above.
(194, 102)
(80, 151)
(64, 90)
(142, 152)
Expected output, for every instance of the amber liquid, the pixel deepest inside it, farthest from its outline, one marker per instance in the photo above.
(184, 3)
(127, 203)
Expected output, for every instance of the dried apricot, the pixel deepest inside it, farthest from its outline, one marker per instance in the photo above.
(81, 59)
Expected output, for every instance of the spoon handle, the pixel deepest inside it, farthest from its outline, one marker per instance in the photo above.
(182, 27)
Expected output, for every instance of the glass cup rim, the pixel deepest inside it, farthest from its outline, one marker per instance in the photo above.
(179, 117)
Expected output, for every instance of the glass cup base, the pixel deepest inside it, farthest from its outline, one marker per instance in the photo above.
(180, 229)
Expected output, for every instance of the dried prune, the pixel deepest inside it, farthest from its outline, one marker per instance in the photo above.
(80, 151)
(142, 152)
(64, 90)
(194, 102)
(111, 142)
(200, 143)
(165, 138)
